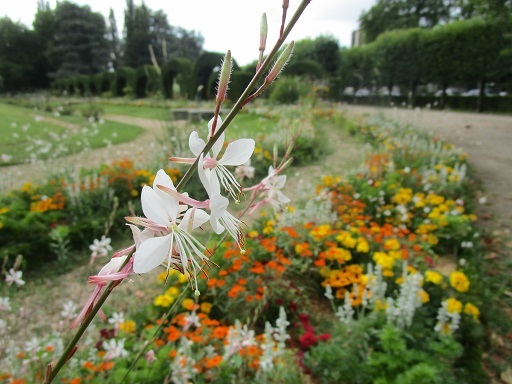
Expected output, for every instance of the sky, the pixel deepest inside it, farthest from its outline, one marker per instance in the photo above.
(227, 24)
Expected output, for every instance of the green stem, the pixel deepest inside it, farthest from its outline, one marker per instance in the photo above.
(246, 94)
(71, 347)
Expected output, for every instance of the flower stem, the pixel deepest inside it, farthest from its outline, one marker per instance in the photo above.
(246, 94)
(72, 345)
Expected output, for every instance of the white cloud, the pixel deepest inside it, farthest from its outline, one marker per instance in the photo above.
(228, 24)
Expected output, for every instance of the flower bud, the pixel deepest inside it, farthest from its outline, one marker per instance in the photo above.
(280, 63)
(224, 76)
(263, 32)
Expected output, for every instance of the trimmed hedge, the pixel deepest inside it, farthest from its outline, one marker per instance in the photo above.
(123, 82)
(305, 67)
(147, 81)
(178, 70)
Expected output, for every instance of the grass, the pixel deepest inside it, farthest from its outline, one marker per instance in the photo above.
(148, 112)
(41, 135)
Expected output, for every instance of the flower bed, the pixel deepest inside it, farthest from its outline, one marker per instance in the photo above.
(375, 279)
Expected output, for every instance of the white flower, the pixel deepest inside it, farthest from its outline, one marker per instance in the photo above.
(14, 277)
(5, 157)
(5, 305)
(114, 349)
(237, 153)
(482, 200)
(117, 319)
(69, 310)
(175, 247)
(328, 292)
(100, 247)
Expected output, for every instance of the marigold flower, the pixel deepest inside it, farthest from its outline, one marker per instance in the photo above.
(472, 310)
(453, 305)
(433, 277)
(459, 281)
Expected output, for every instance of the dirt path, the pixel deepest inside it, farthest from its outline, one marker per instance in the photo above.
(153, 132)
(485, 138)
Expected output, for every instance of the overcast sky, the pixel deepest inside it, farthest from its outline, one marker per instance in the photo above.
(227, 24)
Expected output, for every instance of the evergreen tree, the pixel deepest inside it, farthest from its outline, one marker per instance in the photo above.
(80, 43)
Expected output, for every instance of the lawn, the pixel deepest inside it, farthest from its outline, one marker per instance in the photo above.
(29, 135)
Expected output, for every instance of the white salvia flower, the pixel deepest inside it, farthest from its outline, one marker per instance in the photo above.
(444, 317)
(191, 320)
(345, 314)
(5, 305)
(266, 362)
(183, 366)
(14, 277)
(69, 310)
(114, 349)
(400, 312)
(328, 292)
(238, 338)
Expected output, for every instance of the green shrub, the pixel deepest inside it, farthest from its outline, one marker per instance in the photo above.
(289, 90)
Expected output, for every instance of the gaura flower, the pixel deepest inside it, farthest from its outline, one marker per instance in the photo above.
(272, 185)
(173, 246)
(14, 277)
(237, 153)
(220, 218)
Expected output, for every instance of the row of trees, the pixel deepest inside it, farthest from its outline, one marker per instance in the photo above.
(387, 15)
(73, 40)
(474, 51)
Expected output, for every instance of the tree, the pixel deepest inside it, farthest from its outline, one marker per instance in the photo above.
(20, 54)
(389, 15)
(80, 43)
(324, 50)
(113, 40)
(144, 28)
(44, 28)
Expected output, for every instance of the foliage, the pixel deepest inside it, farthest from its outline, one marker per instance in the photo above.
(80, 45)
(289, 90)
(373, 239)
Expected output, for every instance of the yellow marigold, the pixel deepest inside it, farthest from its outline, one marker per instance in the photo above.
(453, 305)
(459, 281)
(134, 193)
(161, 277)
(4, 210)
(206, 307)
(472, 310)
(424, 296)
(384, 260)
(362, 245)
(433, 277)
(321, 231)
(188, 304)
(163, 301)
(127, 326)
(252, 234)
(173, 292)
(392, 244)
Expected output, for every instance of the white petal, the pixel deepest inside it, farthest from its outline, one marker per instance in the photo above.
(280, 181)
(282, 197)
(216, 225)
(238, 152)
(217, 146)
(193, 218)
(151, 254)
(153, 206)
(218, 205)
(204, 175)
(195, 143)
(162, 178)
